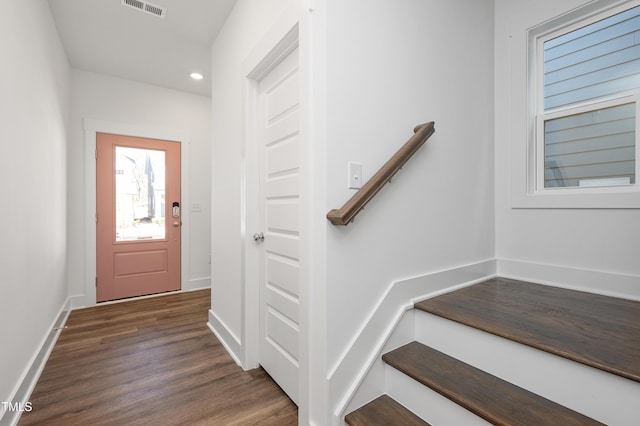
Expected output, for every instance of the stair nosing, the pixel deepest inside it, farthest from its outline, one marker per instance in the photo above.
(473, 379)
(517, 330)
(409, 417)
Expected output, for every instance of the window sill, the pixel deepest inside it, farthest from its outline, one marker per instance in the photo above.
(614, 198)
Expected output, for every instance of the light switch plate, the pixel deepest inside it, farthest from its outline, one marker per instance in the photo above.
(355, 175)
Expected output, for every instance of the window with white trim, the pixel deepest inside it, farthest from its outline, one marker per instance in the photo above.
(586, 113)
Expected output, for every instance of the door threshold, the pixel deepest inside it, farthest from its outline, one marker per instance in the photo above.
(130, 299)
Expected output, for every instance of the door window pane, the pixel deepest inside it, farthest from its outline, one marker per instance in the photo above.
(140, 194)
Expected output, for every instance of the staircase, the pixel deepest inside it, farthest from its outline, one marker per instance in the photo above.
(507, 352)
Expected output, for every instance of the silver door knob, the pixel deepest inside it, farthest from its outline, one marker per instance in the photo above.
(258, 237)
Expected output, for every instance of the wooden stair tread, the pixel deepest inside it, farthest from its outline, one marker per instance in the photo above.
(383, 411)
(495, 400)
(599, 331)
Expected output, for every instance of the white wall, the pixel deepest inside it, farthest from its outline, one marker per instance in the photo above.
(605, 240)
(392, 65)
(114, 100)
(34, 112)
(381, 67)
(247, 23)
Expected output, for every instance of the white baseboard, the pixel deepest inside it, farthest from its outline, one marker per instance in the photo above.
(78, 302)
(347, 375)
(231, 343)
(29, 379)
(197, 284)
(598, 282)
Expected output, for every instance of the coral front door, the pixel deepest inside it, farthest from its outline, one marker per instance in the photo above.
(138, 216)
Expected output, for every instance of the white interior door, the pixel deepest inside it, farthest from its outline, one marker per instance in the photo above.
(279, 213)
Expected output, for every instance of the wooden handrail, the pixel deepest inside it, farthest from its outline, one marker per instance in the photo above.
(346, 214)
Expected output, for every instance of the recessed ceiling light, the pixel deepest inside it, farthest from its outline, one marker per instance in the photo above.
(196, 76)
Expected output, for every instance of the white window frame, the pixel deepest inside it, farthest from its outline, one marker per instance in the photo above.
(537, 196)
(543, 117)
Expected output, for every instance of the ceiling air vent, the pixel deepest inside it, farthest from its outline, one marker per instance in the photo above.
(146, 7)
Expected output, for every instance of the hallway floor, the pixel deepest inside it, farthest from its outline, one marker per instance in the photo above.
(151, 361)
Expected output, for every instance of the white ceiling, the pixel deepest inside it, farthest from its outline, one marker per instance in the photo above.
(106, 37)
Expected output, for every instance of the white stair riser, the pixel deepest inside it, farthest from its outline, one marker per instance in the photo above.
(605, 397)
(430, 406)
(374, 382)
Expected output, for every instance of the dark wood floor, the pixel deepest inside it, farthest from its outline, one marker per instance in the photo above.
(151, 361)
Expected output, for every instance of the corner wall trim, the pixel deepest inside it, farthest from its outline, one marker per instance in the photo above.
(346, 376)
(30, 377)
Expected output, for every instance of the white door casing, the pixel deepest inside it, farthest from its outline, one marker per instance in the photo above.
(279, 218)
(91, 128)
